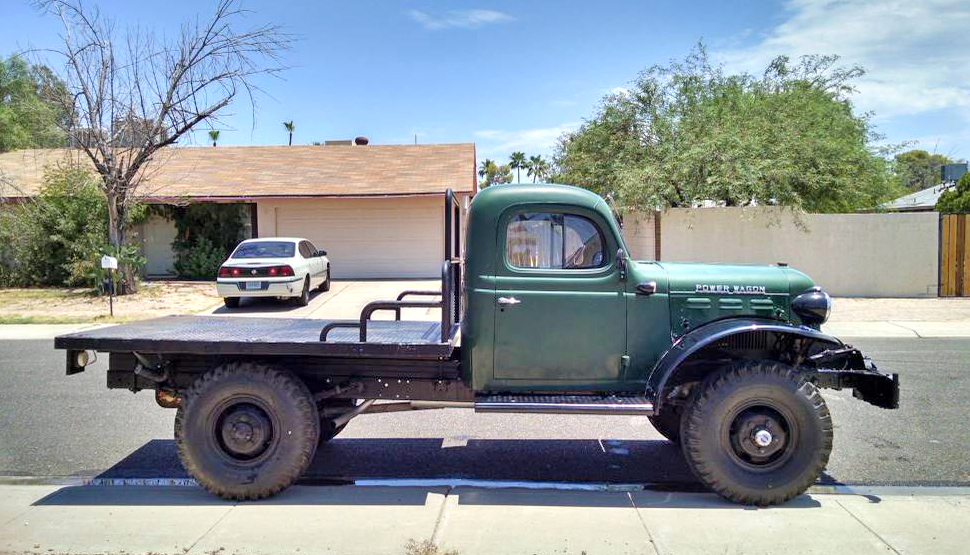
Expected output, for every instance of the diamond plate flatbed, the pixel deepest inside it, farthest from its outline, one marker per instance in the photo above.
(216, 335)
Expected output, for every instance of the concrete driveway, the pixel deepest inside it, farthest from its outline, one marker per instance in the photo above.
(344, 301)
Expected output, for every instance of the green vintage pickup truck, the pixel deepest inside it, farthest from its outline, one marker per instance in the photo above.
(544, 313)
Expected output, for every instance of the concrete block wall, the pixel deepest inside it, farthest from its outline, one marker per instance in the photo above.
(853, 255)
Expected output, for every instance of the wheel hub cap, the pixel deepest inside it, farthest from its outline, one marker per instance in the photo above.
(759, 436)
(762, 438)
(245, 431)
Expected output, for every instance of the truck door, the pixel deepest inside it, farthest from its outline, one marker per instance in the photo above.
(560, 314)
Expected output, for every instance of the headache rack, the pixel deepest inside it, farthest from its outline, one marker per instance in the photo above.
(450, 293)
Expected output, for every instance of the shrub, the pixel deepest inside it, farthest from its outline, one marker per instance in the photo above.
(200, 259)
(206, 234)
(58, 237)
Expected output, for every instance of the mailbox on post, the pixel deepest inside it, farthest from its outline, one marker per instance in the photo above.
(110, 263)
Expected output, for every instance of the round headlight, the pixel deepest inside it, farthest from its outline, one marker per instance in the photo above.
(813, 306)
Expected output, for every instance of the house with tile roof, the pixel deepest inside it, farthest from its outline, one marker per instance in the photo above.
(376, 209)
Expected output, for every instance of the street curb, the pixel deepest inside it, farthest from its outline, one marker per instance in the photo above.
(78, 481)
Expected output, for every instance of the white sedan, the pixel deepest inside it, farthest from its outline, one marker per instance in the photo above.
(288, 267)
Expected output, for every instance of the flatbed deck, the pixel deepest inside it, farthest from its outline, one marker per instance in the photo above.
(220, 335)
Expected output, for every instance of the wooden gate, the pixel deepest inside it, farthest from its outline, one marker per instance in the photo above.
(954, 256)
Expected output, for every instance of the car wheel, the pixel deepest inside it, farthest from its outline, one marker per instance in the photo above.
(246, 431)
(325, 286)
(304, 298)
(757, 433)
(231, 302)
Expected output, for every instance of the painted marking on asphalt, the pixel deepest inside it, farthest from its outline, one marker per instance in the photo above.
(488, 484)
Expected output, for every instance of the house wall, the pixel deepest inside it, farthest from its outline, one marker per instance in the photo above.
(855, 255)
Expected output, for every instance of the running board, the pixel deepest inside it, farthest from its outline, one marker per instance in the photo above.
(565, 404)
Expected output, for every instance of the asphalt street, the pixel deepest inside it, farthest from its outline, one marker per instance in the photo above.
(52, 425)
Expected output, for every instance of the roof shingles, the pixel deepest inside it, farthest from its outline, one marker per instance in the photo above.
(275, 171)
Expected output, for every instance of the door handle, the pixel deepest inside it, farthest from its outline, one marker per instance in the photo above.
(646, 288)
(507, 301)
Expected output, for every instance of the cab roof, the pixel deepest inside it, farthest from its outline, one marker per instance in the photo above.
(497, 197)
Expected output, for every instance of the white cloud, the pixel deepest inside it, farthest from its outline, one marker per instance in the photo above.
(916, 54)
(464, 19)
(498, 144)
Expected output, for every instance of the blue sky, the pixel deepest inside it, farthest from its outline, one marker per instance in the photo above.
(515, 75)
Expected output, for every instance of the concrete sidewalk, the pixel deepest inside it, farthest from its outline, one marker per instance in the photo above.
(349, 520)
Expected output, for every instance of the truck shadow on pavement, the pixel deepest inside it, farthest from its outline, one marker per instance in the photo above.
(457, 463)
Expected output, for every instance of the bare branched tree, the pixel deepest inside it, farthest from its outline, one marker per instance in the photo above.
(131, 94)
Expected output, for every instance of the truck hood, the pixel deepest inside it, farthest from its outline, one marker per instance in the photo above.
(702, 293)
(726, 280)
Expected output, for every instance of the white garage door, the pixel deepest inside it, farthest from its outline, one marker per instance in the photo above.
(370, 238)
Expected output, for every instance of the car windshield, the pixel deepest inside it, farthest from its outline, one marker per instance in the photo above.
(265, 249)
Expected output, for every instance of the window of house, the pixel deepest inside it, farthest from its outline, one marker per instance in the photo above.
(544, 240)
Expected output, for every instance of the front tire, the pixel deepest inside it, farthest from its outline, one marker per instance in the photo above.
(246, 431)
(757, 433)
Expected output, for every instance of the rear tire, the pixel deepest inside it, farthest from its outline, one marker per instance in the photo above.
(757, 433)
(231, 302)
(246, 431)
(325, 286)
(668, 422)
(304, 298)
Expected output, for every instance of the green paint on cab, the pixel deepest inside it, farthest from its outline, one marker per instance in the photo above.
(552, 300)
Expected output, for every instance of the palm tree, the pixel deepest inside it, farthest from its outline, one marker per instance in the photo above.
(289, 127)
(214, 135)
(537, 168)
(517, 162)
(485, 167)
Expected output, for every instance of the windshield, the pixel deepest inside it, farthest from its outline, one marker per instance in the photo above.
(265, 249)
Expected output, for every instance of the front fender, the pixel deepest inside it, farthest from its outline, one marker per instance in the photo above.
(708, 334)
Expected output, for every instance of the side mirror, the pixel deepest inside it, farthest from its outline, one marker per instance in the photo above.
(621, 263)
(321, 253)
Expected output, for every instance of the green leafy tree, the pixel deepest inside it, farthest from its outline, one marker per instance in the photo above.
(28, 118)
(918, 169)
(214, 136)
(518, 162)
(492, 173)
(537, 168)
(686, 133)
(956, 200)
(288, 125)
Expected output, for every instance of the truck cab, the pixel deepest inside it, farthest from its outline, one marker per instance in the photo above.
(554, 317)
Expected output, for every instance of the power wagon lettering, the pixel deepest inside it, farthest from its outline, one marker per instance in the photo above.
(731, 289)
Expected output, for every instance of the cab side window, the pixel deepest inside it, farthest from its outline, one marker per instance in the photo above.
(542, 240)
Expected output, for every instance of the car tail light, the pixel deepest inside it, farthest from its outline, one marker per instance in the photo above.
(286, 271)
(226, 271)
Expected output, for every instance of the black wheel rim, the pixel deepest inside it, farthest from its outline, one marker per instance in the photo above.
(244, 430)
(761, 436)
